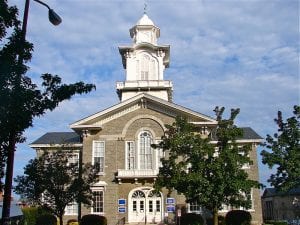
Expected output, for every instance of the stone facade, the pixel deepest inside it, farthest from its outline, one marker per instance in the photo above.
(281, 206)
(119, 138)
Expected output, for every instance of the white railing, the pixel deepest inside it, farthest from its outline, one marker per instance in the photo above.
(144, 83)
(136, 173)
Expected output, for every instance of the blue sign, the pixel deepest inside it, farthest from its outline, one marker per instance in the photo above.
(170, 208)
(122, 209)
(170, 201)
(121, 201)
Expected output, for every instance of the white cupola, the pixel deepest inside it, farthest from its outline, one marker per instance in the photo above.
(145, 31)
(145, 62)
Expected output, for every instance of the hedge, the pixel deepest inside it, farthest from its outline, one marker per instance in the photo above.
(238, 217)
(91, 219)
(191, 219)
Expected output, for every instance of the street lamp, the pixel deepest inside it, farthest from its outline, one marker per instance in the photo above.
(55, 20)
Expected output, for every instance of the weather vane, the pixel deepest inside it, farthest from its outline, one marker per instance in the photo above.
(145, 7)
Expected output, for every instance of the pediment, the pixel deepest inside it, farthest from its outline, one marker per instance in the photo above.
(97, 120)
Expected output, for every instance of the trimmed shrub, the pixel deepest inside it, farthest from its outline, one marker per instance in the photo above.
(191, 219)
(91, 219)
(46, 219)
(238, 217)
(72, 222)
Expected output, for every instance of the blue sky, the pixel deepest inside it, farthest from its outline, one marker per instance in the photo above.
(242, 53)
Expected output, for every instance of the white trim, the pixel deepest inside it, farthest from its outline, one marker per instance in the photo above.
(134, 217)
(127, 150)
(54, 145)
(242, 141)
(98, 189)
(137, 98)
(93, 152)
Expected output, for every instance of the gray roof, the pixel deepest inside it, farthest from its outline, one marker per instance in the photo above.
(74, 138)
(249, 133)
(271, 192)
(58, 138)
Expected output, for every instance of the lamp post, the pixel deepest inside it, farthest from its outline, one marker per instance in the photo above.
(55, 20)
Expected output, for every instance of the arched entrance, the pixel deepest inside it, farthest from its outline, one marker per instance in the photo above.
(145, 205)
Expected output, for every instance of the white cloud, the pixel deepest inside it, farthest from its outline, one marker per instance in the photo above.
(229, 53)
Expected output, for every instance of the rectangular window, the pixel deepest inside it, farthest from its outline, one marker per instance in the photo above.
(98, 155)
(194, 207)
(242, 153)
(150, 206)
(130, 150)
(134, 206)
(73, 158)
(71, 209)
(161, 155)
(141, 206)
(98, 204)
(157, 205)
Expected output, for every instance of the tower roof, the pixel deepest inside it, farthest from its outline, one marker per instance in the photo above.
(145, 20)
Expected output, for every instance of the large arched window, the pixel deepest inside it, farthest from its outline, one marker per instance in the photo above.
(145, 150)
(146, 68)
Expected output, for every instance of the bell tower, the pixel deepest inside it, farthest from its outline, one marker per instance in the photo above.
(144, 63)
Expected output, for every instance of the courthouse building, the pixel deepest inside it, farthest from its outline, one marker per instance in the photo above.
(119, 138)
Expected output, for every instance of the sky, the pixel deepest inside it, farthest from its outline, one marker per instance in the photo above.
(232, 53)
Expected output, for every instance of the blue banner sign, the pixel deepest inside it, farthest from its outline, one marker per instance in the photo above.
(121, 201)
(170, 208)
(122, 209)
(170, 201)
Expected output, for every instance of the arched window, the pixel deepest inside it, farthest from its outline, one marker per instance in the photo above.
(145, 67)
(145, 150)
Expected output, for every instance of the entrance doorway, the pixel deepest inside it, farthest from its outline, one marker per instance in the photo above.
(145, 205)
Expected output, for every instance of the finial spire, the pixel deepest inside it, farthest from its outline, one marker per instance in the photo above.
(145, 7)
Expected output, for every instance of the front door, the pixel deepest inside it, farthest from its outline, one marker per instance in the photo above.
(145, 206)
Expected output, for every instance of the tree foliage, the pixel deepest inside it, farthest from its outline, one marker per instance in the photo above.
(52, 182)
(207, 170)
(20, 99)
(283, 152)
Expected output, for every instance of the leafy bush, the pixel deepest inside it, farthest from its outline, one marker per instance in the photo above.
(191, 219)
(46, 219)
(72, 222)
(93, 220)
(30, 214)
(238, 217)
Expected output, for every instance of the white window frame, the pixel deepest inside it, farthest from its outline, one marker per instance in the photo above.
(101, 190)
(145, 67)
(146, 154)
(101, 166)
(194, 205)
(71, 209)
(241, 152)
(71, 157)
(130, 158)
(226, 208)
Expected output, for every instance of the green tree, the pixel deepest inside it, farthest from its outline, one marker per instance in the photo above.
(7, 19)
(52, 182)
(20, 99)
(206, 170)
(283, 152)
